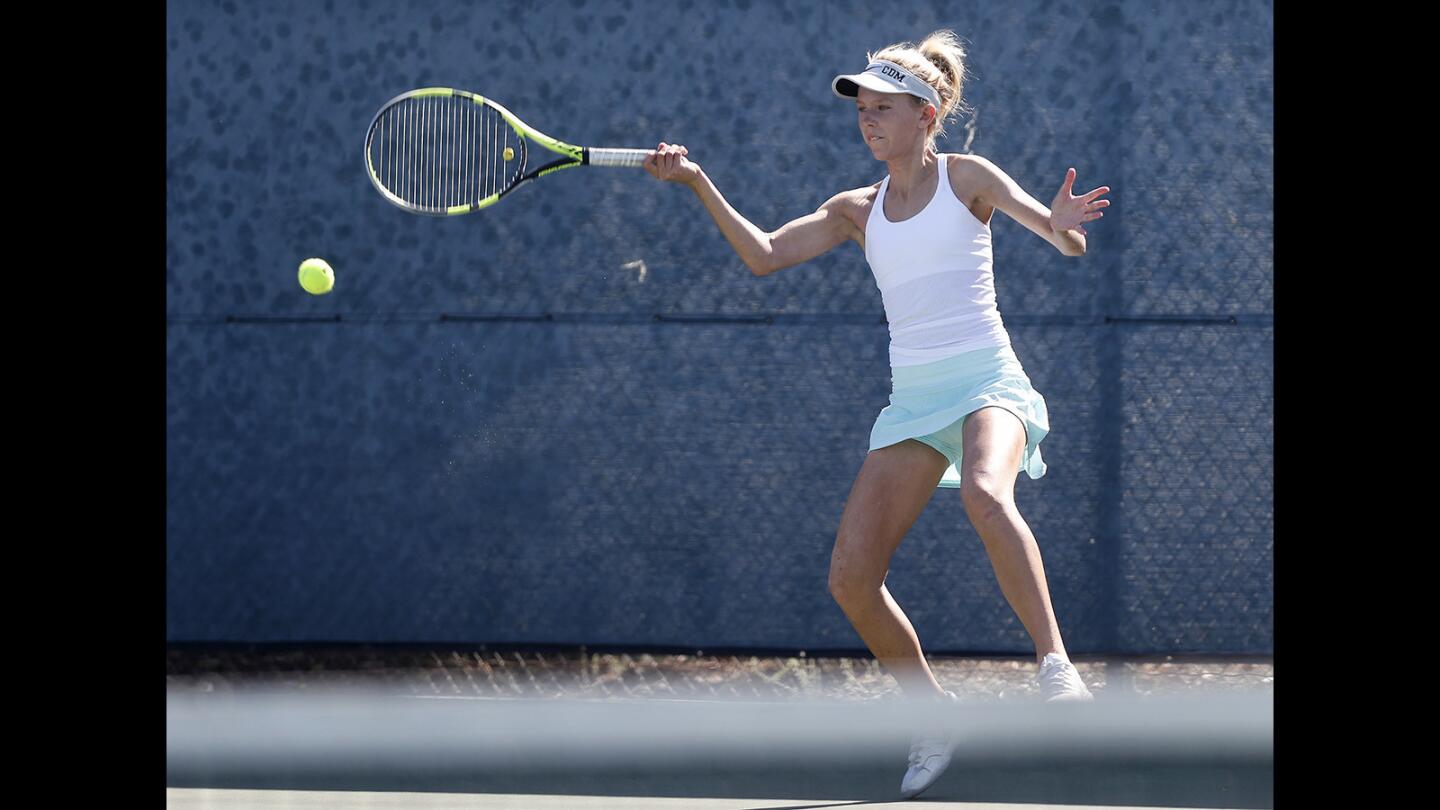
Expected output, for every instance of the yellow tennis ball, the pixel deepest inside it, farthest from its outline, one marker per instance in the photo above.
(316, 276)
(509, 153)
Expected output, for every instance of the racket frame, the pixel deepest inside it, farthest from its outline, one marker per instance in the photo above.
(570, 154)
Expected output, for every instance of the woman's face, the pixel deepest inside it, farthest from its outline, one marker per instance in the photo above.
(890, 123)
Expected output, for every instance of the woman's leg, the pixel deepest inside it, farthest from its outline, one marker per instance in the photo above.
(994, 443)
(891, 490)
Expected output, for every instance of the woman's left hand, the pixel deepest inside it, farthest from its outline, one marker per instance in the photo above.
(1068, 211)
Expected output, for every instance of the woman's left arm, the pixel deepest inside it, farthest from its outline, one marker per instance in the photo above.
(1060, 224)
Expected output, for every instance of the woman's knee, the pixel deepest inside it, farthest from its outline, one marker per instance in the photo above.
(853, 577)
(853, 592)
(984, 494)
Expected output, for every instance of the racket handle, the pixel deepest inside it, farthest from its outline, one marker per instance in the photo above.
(625, 158)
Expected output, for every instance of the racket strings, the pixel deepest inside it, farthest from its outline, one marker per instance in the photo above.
(435, 153)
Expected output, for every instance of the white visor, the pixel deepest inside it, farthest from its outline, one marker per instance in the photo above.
(885, 77)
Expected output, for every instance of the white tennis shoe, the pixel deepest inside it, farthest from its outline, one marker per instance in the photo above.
(1059, 682)
(929, 757)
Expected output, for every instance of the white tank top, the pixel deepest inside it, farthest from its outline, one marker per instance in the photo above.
(936, 277)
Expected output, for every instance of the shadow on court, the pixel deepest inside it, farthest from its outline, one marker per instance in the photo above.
(1214, 783)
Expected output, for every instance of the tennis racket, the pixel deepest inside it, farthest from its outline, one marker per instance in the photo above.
(446, 152)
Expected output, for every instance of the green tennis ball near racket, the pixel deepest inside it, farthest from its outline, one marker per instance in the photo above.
(316, 276)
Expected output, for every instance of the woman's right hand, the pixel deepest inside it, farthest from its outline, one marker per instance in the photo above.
(668, 162)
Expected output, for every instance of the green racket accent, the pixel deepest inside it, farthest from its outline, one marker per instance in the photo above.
(575, 153)
(439, 151)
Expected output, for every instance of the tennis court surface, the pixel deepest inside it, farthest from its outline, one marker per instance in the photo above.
(285, 799)
(467, 733)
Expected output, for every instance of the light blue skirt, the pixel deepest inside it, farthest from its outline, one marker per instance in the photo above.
(929, 403)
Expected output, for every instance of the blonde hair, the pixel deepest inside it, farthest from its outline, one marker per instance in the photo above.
(939, 60)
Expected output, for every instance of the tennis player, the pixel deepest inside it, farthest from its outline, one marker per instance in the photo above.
(962, 411)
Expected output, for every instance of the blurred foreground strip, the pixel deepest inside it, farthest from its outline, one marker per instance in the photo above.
(248, 730)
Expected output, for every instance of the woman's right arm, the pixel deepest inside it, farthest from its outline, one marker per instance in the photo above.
(764, 253)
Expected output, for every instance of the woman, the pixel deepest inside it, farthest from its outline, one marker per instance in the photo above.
(961, 405)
